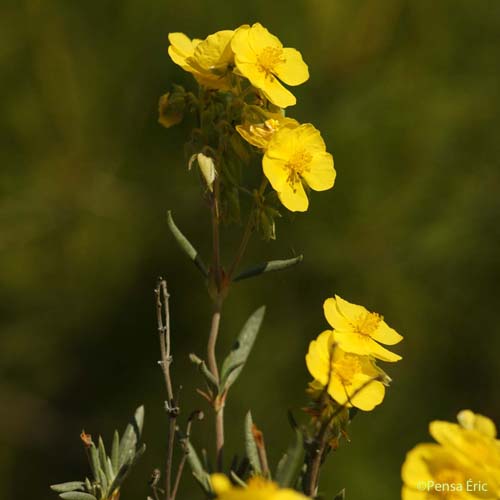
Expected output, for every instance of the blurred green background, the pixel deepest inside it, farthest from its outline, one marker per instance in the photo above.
(406, 96)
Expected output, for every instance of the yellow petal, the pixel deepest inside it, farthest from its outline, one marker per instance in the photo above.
(293, 70)
(363, 345)
(386, 335)
(181, 44)
(470, 420)
(333, 316)
(275, 171)
(288, 494)
(215, 53)
(293, 197)
(260, 38)
(321, 174)
(310, 138)
(276, 93)
(367, 393)
(318, 358)
(220, 483)
(409, 494)
(415, 467)
(350, 311)
(338, 391)
(240, 45)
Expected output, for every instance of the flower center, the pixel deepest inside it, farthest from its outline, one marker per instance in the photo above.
(297, 165)
(346, 367)
(265, 130)
(269, 58)
(367, 324)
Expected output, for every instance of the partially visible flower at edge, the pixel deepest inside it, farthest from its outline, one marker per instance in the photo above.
(350, 379)
(208, 60)
(297, 155)
(468, 454)
(359, 331)
(258, 488)
(261, 57)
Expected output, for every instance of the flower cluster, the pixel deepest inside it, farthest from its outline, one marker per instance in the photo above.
(463, 464)
(343, 360)
(241, 74)
(257, 488)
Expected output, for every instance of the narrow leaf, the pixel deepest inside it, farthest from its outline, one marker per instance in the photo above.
(69, 486)
(211, 380)
(77, 495)
(103, 480)
(197, 469)
(102, 453)
(94, 461)
(289, 465)
(236, 359)
(340, 495)
(110, 473)
(131, 436)
(251, 446)
(266, 267)
(115, 452)
(120, 476)
(237, 479)
(185, 245)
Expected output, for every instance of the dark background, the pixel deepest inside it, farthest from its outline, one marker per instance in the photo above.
(406, 96)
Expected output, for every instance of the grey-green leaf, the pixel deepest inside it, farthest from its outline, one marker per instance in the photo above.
(110, 473)
(210, 379)
(290, 463)
(77, 495)
(102, 453)
(197, 469)
(103, 480)
(251, 446)
(236, 359)
(69, 486)
(131, 436)
(94, 460)
(270, 266)
(115, 452)
(185, 245)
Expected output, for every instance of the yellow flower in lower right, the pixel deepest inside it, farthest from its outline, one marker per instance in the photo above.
(464, 465)
(257, 488)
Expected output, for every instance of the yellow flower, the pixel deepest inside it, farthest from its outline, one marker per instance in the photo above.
(260, 134)
(261, 57)
(257, 488)
(208, 60)
(432, 472)
(474, 440)
(464, 465)
(351, 380)
(294, 156)
(359, 331)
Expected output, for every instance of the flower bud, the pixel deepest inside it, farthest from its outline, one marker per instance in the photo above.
(171, 107)
(207, 169)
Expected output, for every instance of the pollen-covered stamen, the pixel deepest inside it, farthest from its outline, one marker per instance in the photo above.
(298, 163)
(367, 324)
(346, 367)
(269, 58)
